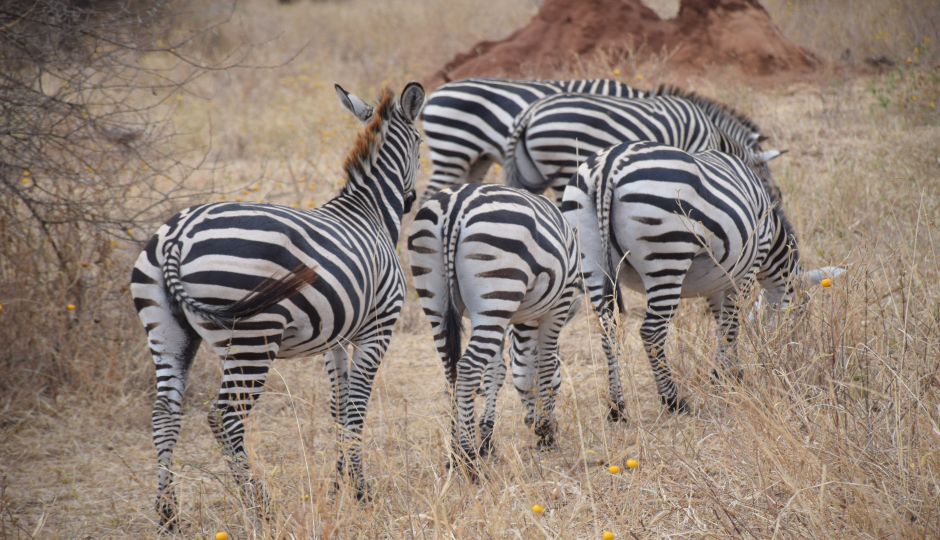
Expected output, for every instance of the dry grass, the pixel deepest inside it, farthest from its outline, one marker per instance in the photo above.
(834, 432)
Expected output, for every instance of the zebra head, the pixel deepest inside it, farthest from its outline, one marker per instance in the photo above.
(390, 137)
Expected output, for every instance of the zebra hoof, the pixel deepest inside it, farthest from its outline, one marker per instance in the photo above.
(616, 414)
(169, 517)
(675, 404)
(486, 447)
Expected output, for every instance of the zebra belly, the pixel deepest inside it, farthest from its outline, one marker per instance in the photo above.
(704, 278)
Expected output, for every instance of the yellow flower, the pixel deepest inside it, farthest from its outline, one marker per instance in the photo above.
(909, 60)
(932, 105)
(221, 536)
(70, 307)
(639, 77)
(255, 188)
(538, 509)
(632, 463)
(616, 72)
(608, 535)
(25, 173)
(913, 98)
(245, 192)
(826, 282)
(614, 469)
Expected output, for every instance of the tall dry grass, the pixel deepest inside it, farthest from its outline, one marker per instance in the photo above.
(833, 432)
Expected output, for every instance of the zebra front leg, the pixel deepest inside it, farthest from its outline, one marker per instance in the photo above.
(243, 378)
(493, 380)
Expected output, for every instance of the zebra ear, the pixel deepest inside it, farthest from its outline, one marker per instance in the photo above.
(412, 101)
(768, 155)
(353, 104)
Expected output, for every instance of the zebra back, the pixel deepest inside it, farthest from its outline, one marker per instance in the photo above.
(735, 124)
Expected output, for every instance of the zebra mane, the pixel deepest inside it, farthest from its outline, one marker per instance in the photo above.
(369, 140)
(711, 107)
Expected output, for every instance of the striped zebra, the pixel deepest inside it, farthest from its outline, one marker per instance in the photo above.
(508, 260)
(467, 122)
(676, 225)
(559, 132)
(206, 275)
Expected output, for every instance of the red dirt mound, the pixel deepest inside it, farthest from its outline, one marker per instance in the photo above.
(719, 33)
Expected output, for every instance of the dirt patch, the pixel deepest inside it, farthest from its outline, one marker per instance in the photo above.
(705, 34)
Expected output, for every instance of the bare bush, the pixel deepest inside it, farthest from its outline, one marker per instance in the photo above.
(87, 161)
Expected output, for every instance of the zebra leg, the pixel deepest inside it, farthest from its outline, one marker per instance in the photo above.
(493, 380)
(244, 373)
(173, 345)
(523, 356)
(660, 308)
(369, 348)
(337, 366)
(483, 347)
(616, 411)
(724, 308)
(548, 375)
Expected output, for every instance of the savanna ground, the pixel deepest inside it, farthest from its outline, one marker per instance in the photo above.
(834, 431)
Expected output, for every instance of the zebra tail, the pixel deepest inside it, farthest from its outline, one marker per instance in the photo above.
(266, 294)
(451, 319)
(519, 169)
(603, 198)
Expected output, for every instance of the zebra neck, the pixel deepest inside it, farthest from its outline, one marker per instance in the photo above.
(379, 202)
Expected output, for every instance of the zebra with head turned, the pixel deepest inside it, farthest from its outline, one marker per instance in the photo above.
(205, 275)
(559, 132)
(676, 225)
(467, 122)
(508, 260)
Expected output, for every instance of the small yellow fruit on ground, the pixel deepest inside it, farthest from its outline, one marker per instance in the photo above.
(608, 535)
(826, 282)
(632, 463)
(221, 536)
(70, 307)
(614, 469)
(538, 509)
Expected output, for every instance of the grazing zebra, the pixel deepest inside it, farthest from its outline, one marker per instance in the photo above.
(467, 122)
(676, 225)
(505, 258)
(206, 275)
(559, 132)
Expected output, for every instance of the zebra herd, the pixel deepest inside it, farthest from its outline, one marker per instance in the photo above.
(662, 192)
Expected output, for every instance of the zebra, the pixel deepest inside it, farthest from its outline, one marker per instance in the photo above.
(675, 225)
(204, 275)
(467, 122)
(558, 132)
(508, 260)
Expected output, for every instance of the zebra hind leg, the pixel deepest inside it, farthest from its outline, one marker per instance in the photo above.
(616, 411)
(243, 376)
(724, 308)
(493, 380)
(173, 345)
(653, 333)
